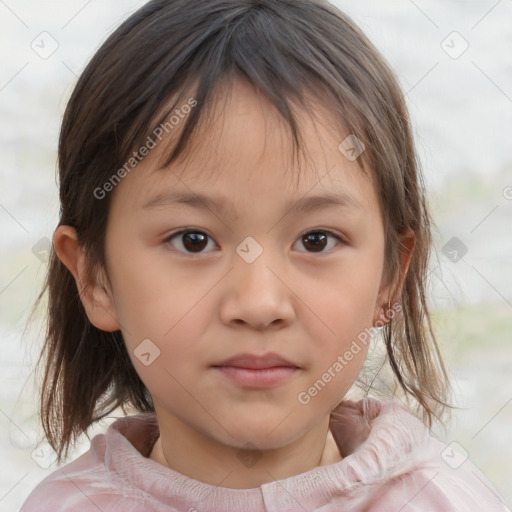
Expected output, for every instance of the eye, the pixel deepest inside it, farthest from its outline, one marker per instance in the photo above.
(194, 241)
(317, 240)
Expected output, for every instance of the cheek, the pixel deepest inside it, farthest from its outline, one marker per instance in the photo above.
(341, 326)
(347, 298)
(153, 297)
(158, 302)
(341, 350)
(164, 351)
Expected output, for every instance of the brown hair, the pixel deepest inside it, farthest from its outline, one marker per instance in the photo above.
(168, 48)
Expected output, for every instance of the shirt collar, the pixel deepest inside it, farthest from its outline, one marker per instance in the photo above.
(373, 437)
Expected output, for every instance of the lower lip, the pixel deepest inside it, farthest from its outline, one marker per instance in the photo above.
(258, 378)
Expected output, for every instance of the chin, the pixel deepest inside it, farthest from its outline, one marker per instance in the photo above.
(265, 435)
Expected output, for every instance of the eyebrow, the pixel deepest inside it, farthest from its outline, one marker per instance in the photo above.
(200, 201)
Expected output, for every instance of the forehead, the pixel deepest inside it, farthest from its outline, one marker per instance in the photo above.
(242, 146)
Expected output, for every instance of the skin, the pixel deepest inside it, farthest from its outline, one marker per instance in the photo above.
(200, 308)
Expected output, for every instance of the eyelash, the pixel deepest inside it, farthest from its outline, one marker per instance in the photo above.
(190, 230)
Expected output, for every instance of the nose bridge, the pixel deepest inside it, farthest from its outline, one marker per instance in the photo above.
(253, 263)
(257, 294)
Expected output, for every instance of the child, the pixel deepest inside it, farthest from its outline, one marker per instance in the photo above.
(307, 234)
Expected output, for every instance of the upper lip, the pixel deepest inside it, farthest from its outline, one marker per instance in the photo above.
(256, 361)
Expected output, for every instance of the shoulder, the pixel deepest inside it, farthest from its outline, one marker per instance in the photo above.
(58, 495)
(437, 479)
(436, 491)
(101, 478)
(70, 487)
(397, 464)
(83, 484)
(86, 490)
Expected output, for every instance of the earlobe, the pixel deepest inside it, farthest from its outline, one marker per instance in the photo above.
(94, 294)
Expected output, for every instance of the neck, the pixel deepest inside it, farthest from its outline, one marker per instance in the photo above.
(202, 458)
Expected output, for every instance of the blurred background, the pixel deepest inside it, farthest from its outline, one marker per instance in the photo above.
(453, 59)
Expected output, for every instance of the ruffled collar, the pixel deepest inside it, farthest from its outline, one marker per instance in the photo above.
(374, 438)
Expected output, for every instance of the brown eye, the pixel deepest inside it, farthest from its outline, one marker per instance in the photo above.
(191, 241)
(317, 241)
(194, 241)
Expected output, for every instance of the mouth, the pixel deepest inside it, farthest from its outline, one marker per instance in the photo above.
(253, 371)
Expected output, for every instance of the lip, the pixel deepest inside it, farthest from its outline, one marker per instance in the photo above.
(258, 362)
(257, 371)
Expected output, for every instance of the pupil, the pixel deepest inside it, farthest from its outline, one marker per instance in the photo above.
(194, 241)
(318, 240)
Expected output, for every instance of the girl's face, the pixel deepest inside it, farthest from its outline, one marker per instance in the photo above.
(264, 268)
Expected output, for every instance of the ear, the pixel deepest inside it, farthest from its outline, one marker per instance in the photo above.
(94, 292)
(390, 293)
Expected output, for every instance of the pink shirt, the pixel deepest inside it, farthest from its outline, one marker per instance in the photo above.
(391, 464)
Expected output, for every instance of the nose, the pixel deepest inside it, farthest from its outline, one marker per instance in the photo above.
(257, 294)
